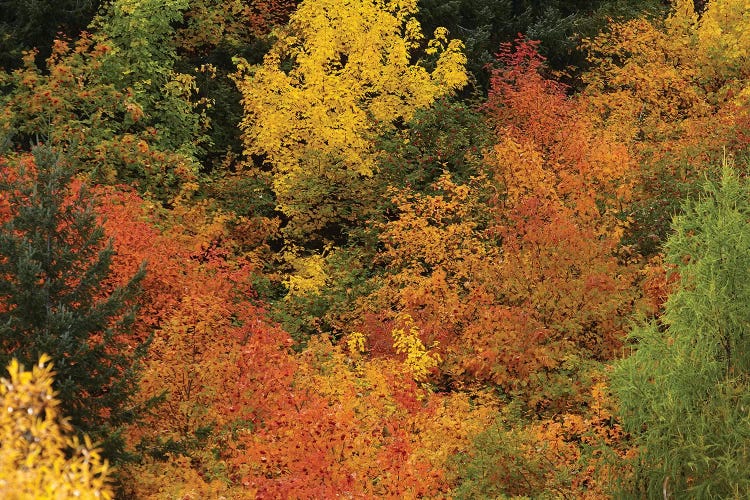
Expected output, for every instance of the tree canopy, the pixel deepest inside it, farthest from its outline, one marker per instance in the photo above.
(375, 248)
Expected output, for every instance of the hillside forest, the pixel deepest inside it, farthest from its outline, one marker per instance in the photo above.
(374, 248)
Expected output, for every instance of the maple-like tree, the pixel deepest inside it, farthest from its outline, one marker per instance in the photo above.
(516, 272)
(343, 424)
(566, 181)
(672, 90)
(211, 343)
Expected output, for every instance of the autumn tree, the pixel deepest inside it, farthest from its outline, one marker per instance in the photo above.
(566, 181)
(438, 258)
(684, 389)
(215, 359)
(142, 55)
(340, 423)
(673, 89)
(338, 75)
(53, 262)
(39, 458)
(113, 101)
(69, 103)
(654, 76)
(516, 271)
(526, 318)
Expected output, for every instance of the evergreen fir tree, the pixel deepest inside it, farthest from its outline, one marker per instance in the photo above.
(54, 261)
(685, 392)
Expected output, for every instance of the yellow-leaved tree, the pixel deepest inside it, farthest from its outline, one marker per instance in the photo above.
(340, 73)
(39, 456)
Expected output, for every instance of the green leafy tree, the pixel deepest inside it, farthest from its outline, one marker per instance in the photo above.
(113, 101)
(55, 297)
(447, 136)
(684, 392)
(142, 58)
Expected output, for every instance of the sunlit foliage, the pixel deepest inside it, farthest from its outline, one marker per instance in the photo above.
(39, 456)
(338, 74)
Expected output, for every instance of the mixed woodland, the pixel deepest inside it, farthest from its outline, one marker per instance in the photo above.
(374, 248)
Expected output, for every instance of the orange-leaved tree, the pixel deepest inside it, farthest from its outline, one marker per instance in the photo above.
(349, 425)
(214, 357)
(518, 274)
(565, 279)
(675, 89)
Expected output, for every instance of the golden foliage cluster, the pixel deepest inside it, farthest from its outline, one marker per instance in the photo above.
(39, 456)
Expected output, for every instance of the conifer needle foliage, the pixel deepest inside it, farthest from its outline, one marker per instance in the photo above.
(685, 392)
(55, 298)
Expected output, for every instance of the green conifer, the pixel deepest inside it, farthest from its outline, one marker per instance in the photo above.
(685, 392)
(54, 265)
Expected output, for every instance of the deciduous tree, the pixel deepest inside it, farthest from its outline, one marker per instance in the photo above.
(338, 75)
(73, 104)
(39, 458)
(674, 91)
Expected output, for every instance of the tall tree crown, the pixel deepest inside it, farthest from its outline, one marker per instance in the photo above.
(55, 297)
